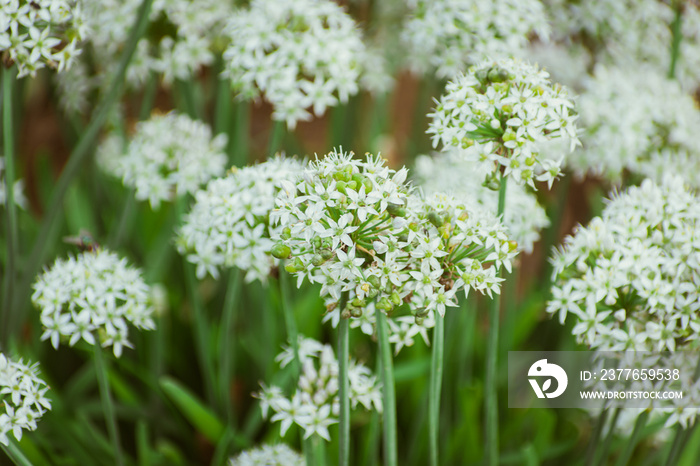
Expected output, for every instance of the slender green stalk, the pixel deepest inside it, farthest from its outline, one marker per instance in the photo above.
(13, 451)
(289, 320)
(319, 448)
(107, 405)
(388, 392)
(624, 458)
(226, 347)
(149, 97)
(675, 450)
(48, 230)
(344, 384)
(676, 38)
(119, 233)
(201, 333)
(238, 135)
(222, 105)
(603, 454)
(435, 387)
(276, 137)
(491, 388)
(8, 77)
(595, 436)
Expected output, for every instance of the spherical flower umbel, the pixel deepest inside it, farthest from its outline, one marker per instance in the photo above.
(315, 406)
(92, 297)
(450, 35)
(452, 174)
(168, 156)
(501, 113)
(22, 398)
(268, 455)
(298, 54)
(630, 278)
(229, 223)
(40, 33)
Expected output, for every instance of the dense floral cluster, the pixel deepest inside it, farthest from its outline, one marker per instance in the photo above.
(630, 278)
(314, 406)
(633, 128)
(17, 188)
(269, 455)
(356, 227)
(501, 113)
(169, 155)
(22, 398)
(229, 223)
(450, 35)
(179, 41)
(34, 34)
(463, 179)
(298, 54)
(93, 297)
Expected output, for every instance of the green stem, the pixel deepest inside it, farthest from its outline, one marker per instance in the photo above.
(48, 231)
(149, 97)
(608, 438)
(435, 387)
(344, 384)
(238, 135)
(676, 38)
(289, 320)
(595, 437)
(222, 106)
(491, 440)
(675, 450)
(13, 451)
(624, 458)
(276, 136)
(226, 347)
(107, 405)
(8, 76)
(119, 233)
(388, 391)
(201, 333)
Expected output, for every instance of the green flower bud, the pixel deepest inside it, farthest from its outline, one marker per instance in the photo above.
(374, 281)
(395, 299)
(340, 186)
(317, 260)
(356, 312)
(352, 185)
(497, 75)
(357, 302)
(435, 219)
(280, 251)
(286, 233)
(396, 210)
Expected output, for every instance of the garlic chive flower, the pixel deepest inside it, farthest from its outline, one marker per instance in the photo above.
(358, 227)
(37, 34)
(300, 55)
(17, 188)
(500, 113)
(169, 155)
(229, 223)
(315, 406)
(629, 280)
(268, 455)
(23, 398)
(450, 35)
(450, 173)
(634, 130)
(92, 297)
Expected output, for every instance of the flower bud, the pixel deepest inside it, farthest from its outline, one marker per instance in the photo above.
(374, 281)
(435, 219)
(395, 299)
(385, 305)
(281, 251)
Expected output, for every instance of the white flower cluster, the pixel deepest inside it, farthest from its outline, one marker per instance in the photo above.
(632, 128)
(269, 455)
(93, 297)
(502, 113)
(463, 179)
(625, 32)
(298, 54)
(37, 33)
(168, 156)
(356, 227)
(17, 188)
(22, 398)
(180, 39)
(450, 35)
(229, 223)
(630, 279)
(315, 405)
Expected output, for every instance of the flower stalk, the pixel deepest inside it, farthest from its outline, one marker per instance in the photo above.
(107, 404)
(436, 367)
(388, 392)
(344, 384)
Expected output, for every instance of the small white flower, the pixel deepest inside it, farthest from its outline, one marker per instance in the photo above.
(268, 455)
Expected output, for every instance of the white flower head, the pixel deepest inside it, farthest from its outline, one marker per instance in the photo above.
(168, 156)
(268, 455)
(92, 297)
(35, 35)
(502, 113)
(301, 55)
(229, 222)
(450, 35)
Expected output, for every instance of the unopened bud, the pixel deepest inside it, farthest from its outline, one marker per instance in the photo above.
(280, 251)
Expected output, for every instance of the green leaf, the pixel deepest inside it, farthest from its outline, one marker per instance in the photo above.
(199, 415)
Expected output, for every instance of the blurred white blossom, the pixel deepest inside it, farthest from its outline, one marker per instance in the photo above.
(268, 455)
(503, 113)
(168, 156)
(229, 223)
(17, 188)
(92, 297)
(303, 56)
